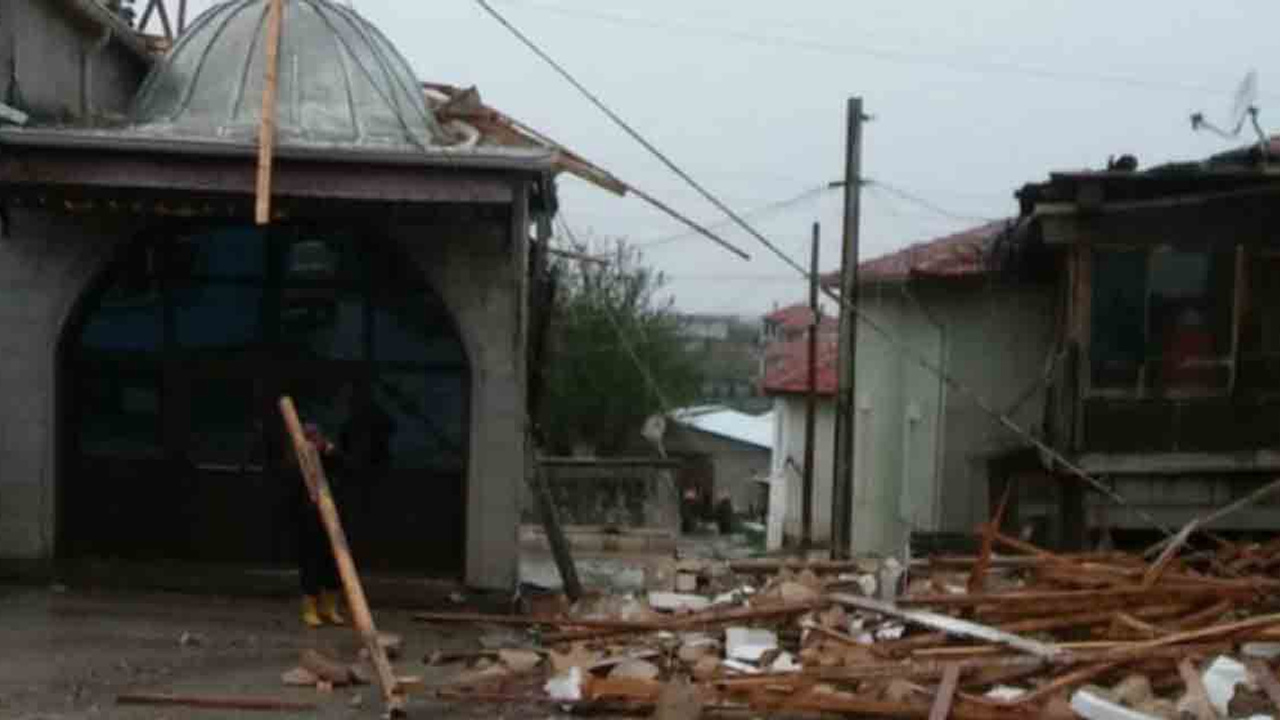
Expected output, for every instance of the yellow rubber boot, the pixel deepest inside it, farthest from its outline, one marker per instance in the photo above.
(310, 616)
(329, 608)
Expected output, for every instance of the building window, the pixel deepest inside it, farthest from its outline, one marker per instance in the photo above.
(1161, 322)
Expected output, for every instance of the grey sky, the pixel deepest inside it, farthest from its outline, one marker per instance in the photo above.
(970, 101)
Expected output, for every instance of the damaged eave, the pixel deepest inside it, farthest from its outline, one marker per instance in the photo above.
(97, 18)
(464, 105)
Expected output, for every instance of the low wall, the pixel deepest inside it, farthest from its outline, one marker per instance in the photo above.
(612, 497)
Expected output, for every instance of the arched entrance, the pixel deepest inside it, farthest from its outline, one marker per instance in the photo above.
(171, 444)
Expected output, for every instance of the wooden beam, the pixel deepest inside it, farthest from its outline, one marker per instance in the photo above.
(941, 709)
(1197, 697)
(318, 485)
(1168, 554)
(228, 702)
(267, 126)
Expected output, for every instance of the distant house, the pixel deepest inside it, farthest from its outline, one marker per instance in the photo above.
(922, 455)
(727, 349)
(1166, 380)
(725, 451)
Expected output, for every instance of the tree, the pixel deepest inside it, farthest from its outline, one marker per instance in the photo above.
(615, 355)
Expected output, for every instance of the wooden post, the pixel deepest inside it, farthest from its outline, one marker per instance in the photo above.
(555, 533)
(846, 396)
(811, 400)
(362, 618)
(267, 127)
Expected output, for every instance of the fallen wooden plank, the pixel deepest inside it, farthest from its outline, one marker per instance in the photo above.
(528, 620)
(1064, 682)
(1041, 599)
(951, 625)
(212, 702)
(941, 709)
(692, 622)
(1168, 554)
(1197, 697)
(1031, 625)
(331, 671)
(978, 577)
(318, 484)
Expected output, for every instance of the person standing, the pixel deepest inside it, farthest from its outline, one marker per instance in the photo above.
(316, 566)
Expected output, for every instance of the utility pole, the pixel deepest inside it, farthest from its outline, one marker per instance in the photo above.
(846, 395)
(811, 403)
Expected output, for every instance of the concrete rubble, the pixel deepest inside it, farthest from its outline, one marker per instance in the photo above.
(1014, 631)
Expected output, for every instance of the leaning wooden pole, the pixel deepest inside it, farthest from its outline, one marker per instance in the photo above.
(318, 486)
(267, 125)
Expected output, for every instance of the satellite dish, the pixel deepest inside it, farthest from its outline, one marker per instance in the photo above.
(1244, 106)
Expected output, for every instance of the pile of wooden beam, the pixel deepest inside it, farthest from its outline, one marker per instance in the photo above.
(1013, 631)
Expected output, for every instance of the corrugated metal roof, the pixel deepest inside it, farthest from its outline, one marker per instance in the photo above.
(340, 81)
(728, 423)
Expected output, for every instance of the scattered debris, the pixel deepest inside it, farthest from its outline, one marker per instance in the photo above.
(1104, 635)
(299, 677)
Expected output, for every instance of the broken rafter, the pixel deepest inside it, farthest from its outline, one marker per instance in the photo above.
(210, 702)
(952, 626)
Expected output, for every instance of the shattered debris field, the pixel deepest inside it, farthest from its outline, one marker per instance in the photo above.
(1014, 631)
(1024, 633)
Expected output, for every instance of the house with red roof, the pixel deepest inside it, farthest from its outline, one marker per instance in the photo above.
(923, 452)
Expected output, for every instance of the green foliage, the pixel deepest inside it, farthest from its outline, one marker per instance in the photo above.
(616, 356)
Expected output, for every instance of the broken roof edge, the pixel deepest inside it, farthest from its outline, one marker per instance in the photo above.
(93, 12)
(465, 105)
(126, 140)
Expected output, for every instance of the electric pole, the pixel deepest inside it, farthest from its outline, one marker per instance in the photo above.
(811, 399)
(846, 394)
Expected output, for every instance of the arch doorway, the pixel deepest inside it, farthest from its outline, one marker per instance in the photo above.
(172, 446)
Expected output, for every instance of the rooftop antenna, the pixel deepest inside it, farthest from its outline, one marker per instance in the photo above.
(1244, 106)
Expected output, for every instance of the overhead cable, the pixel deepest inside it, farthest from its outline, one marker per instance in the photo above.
(887, 335)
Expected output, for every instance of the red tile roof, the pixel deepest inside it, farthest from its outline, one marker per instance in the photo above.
(960, 254)
(787, 369)
(791, 316)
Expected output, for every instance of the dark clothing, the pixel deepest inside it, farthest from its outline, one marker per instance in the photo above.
(317, 569)
(316, 565)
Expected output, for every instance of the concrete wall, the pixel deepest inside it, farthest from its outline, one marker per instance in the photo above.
(47, 261)
(480, 272)
(736, 464)
(916, 468)
(60, 68)
(789, 442)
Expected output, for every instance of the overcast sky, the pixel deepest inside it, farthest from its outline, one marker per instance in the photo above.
(970, 100)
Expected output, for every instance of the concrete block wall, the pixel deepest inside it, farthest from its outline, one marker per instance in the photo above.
(46, 261)
(479, 272)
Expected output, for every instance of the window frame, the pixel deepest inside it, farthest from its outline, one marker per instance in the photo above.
(1142, 390)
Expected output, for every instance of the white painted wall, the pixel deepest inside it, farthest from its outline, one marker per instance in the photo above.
(921, 450)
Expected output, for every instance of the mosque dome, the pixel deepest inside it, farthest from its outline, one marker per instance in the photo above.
(340, 81)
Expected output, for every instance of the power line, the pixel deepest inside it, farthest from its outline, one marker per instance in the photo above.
(755, 214)
(914, 199)
(889, 55)
(887, 335)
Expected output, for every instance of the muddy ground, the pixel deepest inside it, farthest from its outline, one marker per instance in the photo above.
(67, 653)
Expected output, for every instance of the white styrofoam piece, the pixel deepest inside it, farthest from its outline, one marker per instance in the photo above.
(1220, 680)
(672, 602)
(1091, 706)
(567, 686)
(748, 644)
(740, 666)
(1005, 693)
(1261, 650)
(784, 663)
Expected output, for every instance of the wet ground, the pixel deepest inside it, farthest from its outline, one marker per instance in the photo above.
(67, 653)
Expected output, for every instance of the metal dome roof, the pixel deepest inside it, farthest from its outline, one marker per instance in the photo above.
(340, 81)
